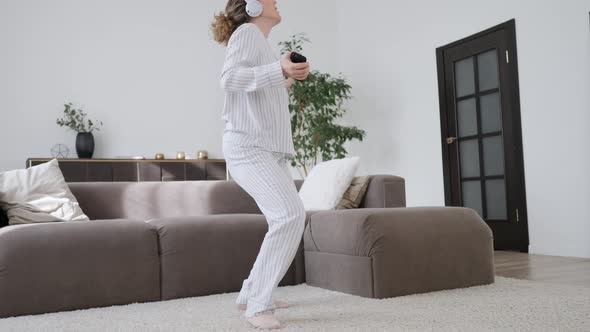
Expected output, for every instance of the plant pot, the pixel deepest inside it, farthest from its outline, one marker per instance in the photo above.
(85, 145)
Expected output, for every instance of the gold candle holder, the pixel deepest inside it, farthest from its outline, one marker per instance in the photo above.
(180, 155)
(202, 154)
(159, 156)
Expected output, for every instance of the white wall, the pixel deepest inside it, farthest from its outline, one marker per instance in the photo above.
(148, 69)
(389, 55)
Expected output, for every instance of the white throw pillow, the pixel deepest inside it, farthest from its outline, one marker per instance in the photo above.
(325, 184)
(38, 194)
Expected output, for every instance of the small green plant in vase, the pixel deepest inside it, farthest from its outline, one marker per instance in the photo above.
(76, 120)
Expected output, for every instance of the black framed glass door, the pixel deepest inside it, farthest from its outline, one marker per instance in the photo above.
(481, 139)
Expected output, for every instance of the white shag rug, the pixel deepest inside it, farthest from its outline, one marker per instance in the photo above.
(508, 304)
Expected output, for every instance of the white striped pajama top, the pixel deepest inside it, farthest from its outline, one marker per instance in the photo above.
(256, 108)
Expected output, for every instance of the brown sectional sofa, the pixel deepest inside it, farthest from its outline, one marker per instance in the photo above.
(151, 241)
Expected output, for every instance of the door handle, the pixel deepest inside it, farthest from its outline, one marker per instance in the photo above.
(450, 140)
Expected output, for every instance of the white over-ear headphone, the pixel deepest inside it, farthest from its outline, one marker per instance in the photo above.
(254, 8)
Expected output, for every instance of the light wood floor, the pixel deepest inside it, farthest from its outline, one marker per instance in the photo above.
(555, 269)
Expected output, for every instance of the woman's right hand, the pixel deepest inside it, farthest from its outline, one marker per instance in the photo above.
(298, 71)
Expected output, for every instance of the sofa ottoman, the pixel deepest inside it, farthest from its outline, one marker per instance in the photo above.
(387, 252)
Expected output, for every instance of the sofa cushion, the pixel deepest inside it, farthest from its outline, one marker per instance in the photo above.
(38, 194)
(202, 255)
(50, 267)
(154, 200)
(352, 197)
(326, 183)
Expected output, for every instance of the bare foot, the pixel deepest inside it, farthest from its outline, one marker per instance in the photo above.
(275, 305)
(264, 320)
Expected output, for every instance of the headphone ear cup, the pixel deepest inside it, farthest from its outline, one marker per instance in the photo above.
(254, 8)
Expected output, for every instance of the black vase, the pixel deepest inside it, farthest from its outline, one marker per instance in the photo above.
(84, 145)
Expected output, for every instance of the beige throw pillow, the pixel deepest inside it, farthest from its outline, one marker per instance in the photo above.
(38, 194)
(354, 194)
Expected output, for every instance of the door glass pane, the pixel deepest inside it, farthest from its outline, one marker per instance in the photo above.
(491, 118)
(467, 117)
(469, 155)
(471, 193)
(487, 68)
(496, 199)
(493, 156)
(464, 77)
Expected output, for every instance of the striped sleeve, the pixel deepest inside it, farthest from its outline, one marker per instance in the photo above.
(239, 74)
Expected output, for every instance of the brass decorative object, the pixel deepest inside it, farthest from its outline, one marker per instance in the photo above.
(180, 155)
(202, 154)
(159, 156)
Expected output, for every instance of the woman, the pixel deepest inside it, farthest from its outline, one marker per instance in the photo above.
(257, 143)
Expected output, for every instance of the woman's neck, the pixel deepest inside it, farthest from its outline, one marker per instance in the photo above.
(263, 24)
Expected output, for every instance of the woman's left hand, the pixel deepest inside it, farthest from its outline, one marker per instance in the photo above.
(298, 71)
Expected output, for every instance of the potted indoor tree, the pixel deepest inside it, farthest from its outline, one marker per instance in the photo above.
(76, 120)
(315, 104)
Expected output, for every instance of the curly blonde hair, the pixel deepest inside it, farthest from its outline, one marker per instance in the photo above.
(225, 23)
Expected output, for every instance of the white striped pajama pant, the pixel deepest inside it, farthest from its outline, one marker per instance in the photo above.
(265, 176)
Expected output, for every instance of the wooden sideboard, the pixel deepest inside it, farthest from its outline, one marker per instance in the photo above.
(138, 170)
